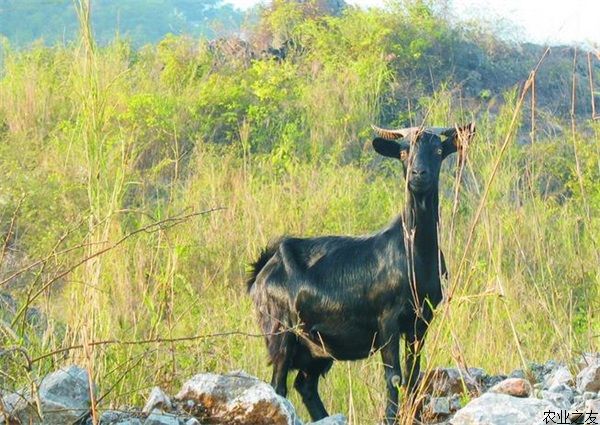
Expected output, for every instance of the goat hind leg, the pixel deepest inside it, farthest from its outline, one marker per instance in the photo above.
(307, 384)
(281, 349)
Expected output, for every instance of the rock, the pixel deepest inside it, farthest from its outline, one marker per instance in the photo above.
(118, 417)
(558, 399)
(490, 381)
(565, 391)
(192, 421)
(502, 409)
(593, 406)
(589, 378)
(64, 398)
(436, 409)
(588, 359)
(159, 418)
(157, 400)
(558, 376)
(129, 421)
(112, 417)
(588, 395)
(8, 306)
(516, 387)
(238, 398)
(518, 373)
(587, 413)
(455, 403)
(338, 419)
(540, 372)
(445, 382)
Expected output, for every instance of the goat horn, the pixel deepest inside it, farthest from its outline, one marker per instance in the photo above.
(397, 133)
(404, 132)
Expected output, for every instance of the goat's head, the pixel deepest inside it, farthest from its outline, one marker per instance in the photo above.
(421, 151)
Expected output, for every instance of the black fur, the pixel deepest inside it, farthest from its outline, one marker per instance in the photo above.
(343, 298)
(255, 268)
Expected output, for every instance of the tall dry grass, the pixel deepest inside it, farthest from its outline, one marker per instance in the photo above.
(115, 160)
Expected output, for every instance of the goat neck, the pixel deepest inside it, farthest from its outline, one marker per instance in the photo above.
(421, 224)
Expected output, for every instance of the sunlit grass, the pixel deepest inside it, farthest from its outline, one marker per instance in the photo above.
(98, 143)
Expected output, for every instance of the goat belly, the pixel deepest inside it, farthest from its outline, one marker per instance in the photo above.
(346, 340)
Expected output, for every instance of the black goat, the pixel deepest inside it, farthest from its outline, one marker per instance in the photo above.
(342, 298)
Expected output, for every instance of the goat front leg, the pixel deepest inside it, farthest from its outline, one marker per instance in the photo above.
(413, 344)
(390, 354)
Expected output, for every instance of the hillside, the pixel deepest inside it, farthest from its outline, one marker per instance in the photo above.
(139, 21)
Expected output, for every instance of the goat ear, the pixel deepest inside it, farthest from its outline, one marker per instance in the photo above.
(456, 140)
(389, 148)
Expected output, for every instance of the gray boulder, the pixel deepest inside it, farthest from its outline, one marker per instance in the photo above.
(557, 399)
(436, 409)
(338, 419)
(503, 409)
(589, 378)
(559, 376)
(445, 382)
(64, 397)
(117, 417)
(238, 398)
(157, 400)
(588, 359)
(159, 418)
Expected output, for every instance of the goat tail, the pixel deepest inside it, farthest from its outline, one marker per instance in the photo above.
(264, 257)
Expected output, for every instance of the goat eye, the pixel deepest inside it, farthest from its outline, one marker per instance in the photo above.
(439, 151)
(403, 155)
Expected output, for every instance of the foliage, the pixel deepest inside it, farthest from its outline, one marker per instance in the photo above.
(99, 143)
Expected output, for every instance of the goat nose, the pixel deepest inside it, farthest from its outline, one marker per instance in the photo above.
(419, 172)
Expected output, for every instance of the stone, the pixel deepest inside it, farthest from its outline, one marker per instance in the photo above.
(118, 417)
(588, 359)
(455, 403)
(588, 395)
(563, 390)
(593, 406)
(478, 374)
(490, 381)
(558, 399)
(518, 373)
(338, 419)
(436, 409)
(540, 372)
(558, 376)
(503, 409)
(192, 421)
(159, 418)
(445, 382)
(516, 387)
(113, 417)
(589, 378)
(157, 400)
(64, 398)
(238, 398)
